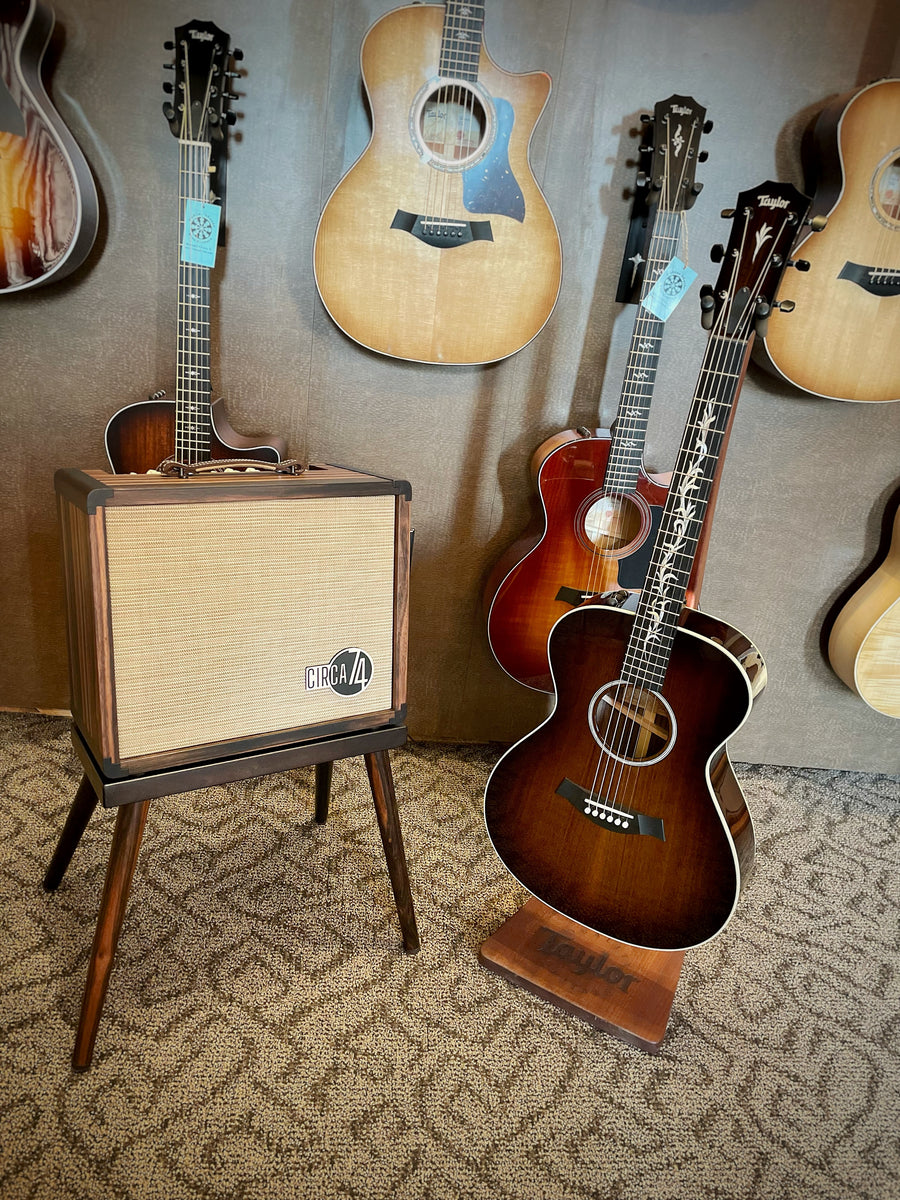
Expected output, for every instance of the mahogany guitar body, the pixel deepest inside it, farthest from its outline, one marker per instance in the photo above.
(593, 541)
(48, 200)
(841, 339)
(386, 283)
(141, 436)
(675, 883)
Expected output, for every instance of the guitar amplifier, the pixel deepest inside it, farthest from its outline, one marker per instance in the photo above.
(227, 613)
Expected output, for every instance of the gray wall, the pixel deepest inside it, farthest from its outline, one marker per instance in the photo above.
(806, 480)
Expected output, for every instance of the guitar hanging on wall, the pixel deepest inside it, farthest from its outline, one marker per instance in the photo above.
(437, 245)
(191, 428)
(48, 201)
(841, 341)
(601, 509)
(621, 810)
(864, 643)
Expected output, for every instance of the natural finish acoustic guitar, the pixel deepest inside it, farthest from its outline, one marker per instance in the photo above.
(843, 339)
(621, 810)
(48, 201)
(437, 245)
(191, 428)
(601, 509)
(864, 643)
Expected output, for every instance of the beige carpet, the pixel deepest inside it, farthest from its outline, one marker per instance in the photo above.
(264, 1035)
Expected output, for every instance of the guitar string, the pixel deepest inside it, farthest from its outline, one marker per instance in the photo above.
(723, 350)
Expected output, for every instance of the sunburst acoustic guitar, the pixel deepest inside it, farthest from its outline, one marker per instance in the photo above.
(864, 643)
(601, 509)
(621, 810)
(191, 428)
(437, 245)
(841, 341)
(48, 201)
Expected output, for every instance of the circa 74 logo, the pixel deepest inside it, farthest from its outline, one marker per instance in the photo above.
(348, 673)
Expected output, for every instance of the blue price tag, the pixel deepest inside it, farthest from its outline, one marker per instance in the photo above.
(669, 289)
(201, 233)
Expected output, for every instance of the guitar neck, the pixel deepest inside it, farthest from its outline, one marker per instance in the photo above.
(629, 431)
(461, 40)
(193, 404)
(663, 595)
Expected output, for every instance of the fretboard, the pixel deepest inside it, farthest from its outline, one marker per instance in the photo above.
(663, 594)
(461, 40)
(193, 420)
(629, 433)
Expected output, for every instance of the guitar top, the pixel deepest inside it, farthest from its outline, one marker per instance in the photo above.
(438, 245)
(864, 643)
(841, 339)
(48, 201)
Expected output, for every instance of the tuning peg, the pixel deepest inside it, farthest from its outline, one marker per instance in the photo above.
(717, 252)
(816, 224)
(761, 317)
(231, 96)
(707, 304)
(237, 55)
(696, 189)
(707, 126)
(727, 213)
(641, 179)
(168, 45)
(169, 111)
(703, 156)
(231, 118)
(645, 118)
(799, 263)
(786, 306)
(168, 87)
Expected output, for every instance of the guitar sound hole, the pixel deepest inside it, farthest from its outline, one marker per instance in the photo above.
(633, 724)
(885, 196)
(451, 126)
(612, 523)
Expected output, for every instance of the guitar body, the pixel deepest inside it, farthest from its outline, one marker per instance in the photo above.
(593, 541)
(675, 883)
(841, 339)
(48, 201)
(471, 298)
(864, 643)
(141, 436)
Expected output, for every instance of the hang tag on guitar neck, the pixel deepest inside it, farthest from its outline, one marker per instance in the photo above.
(201, 233)
(669, 289)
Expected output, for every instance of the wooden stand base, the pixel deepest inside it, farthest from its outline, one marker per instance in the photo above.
(625, 991)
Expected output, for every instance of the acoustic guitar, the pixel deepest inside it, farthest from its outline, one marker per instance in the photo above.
(437, 245)
(48, 201)
(191, 428)
(601, 509)
(864, 643)
(621, 810)
(841, 341)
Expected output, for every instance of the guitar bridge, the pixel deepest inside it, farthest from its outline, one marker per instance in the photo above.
(876, 280)
(442, 232)
(604, 812)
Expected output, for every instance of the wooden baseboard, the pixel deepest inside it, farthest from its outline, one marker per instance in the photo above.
(625, 991)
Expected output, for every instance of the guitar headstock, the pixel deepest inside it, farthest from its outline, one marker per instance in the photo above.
(673, 140)
(766, 222)
(203, 69)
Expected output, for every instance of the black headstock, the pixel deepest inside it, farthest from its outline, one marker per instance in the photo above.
(767, 220)
(673, 145)
(203, 68)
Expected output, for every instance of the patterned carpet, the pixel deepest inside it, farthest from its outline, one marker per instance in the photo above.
(264, 1035)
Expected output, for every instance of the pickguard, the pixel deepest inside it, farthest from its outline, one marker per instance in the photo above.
(489, 185)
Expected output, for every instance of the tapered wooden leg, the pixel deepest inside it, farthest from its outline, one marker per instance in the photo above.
(381, 781)
(324, 772)
(76, 822)
(122, 859)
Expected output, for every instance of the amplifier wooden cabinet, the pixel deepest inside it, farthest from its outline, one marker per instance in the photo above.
(223, 614)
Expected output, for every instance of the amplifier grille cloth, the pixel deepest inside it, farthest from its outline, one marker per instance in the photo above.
(217, 610)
